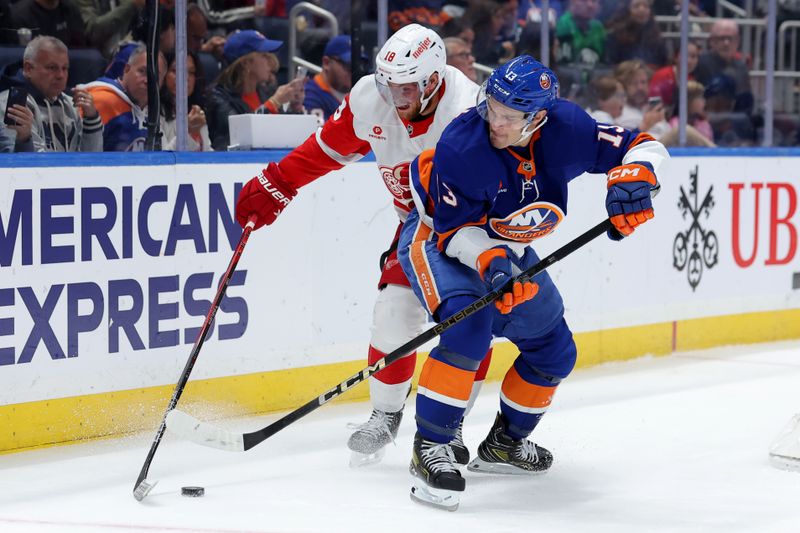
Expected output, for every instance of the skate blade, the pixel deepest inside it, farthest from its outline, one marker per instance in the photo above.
(783, 462)
(359, 460)
(486, 467)
(447, 500)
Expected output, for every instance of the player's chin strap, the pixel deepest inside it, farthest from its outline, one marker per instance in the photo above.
(426, 100)
(523, 139)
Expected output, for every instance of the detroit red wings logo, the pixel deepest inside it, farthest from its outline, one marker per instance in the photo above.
(396, 180)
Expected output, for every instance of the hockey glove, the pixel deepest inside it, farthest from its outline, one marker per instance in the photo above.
(495, 268)
(266, 195)
(628, 199)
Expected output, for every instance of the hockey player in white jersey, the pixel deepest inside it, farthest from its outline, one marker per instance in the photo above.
(396, 113)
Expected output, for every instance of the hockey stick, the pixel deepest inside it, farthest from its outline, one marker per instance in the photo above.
(143, 487)
(188, 427)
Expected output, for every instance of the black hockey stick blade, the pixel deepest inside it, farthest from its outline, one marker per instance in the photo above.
(190, 428)
(143, 486)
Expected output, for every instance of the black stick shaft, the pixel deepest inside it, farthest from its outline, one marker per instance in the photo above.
(256, 437)
(198, 344)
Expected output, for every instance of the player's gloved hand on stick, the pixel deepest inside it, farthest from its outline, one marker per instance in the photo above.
(628, 199)
(266, 195)
(495, 268)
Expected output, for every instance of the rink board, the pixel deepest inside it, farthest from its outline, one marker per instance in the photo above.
(104, 285)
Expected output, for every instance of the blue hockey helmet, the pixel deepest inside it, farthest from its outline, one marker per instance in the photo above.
(523, 84)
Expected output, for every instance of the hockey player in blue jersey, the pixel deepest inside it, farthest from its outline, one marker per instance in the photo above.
(496, 181)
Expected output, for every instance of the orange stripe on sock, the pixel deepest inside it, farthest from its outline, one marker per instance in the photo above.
(524, 394)
(446, 380)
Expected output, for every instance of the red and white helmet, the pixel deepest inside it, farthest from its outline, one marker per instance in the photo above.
(410, 56)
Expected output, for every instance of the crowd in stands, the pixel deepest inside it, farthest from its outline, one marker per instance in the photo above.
(74, 72)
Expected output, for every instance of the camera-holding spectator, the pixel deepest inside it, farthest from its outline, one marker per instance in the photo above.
(665, 80)
(15, 134)
(581, 37)
(249, 84)
(723, 58)
(696, 108)
(326, 90)
(609, 99)
(107, 22)
(639, 112)
(58, 18)
(198, 140)
(459, 55)
(633, 34)
(122, 103)
(60, 122)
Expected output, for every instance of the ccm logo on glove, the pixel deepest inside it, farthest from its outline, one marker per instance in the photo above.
(628, 200)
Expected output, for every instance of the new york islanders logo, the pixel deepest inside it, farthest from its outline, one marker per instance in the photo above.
(531, 222)
(544, 81)
(396, 180)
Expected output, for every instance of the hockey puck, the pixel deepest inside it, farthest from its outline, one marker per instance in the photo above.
(192, 492)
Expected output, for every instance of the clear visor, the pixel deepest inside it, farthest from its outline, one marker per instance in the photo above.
(498, 114)
(400, 95)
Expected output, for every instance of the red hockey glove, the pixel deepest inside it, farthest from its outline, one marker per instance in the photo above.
(628, 200)
(266, 195)
(494, 267)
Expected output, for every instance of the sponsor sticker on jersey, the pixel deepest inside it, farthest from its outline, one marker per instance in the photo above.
(533, 221)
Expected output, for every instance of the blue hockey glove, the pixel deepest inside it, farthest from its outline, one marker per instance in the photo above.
(495, 268)
(628, 199)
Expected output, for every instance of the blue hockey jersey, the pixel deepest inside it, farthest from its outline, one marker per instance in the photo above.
(475, 196)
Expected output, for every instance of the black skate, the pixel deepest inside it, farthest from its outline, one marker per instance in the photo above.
(460, 451)
(437, 481)
(500, 454)
(368, 442)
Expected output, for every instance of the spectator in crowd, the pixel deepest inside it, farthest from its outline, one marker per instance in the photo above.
(637, 113)
(61, 123)
(16, 137)
(107, 22)
(608, 97)
(581, 37)
(488, 19)
(456, 27)
(197, 38)
(326, 90)
(459, 55)
(166, 23)
(57, 18)
(723, 58)
(198, 140)
(249, 84)
(696, 109)
(530, 11)
(665, 80)
(633, 34)
(122, 103)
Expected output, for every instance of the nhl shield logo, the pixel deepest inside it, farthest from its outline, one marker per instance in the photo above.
(526, 166)
(544, 81)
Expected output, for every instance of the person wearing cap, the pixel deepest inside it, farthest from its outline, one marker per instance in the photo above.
(326, 90)
(249, 84)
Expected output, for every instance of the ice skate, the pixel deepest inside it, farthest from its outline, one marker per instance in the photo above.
(368, 442)
(500, 454)
(437, 481)
(460, 451)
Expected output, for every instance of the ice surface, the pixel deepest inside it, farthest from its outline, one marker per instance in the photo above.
(667, 444)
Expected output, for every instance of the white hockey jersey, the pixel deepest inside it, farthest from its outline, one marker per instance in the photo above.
(365, 121)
